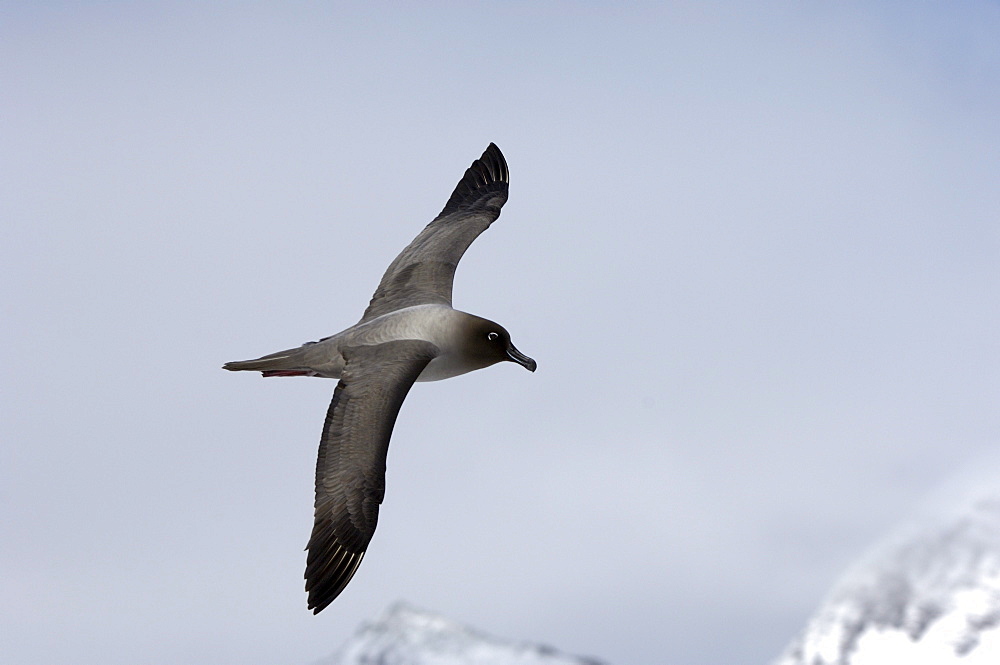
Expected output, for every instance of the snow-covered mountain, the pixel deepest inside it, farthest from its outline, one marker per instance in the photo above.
(929, 596)
(405, 635)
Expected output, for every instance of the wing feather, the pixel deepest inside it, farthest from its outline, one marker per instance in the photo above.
(424, 272)
(350, 469)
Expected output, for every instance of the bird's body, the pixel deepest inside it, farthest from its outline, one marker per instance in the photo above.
(438, 324)
(410, 332)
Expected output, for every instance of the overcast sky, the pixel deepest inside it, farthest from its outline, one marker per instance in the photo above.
(755, 252)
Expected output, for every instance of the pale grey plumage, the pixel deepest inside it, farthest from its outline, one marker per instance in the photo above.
(424, 271)
(408, 333)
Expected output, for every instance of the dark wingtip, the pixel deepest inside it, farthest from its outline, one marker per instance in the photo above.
(495, 162)
(326, 580)
(487, 175)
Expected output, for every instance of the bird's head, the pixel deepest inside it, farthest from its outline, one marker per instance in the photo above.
(489, 343)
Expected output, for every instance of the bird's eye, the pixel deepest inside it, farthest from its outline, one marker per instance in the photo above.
(492, 336)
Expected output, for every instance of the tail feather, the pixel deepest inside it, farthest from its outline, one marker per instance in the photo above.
(282, 363)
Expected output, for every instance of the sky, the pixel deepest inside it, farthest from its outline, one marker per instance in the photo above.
(753, 248)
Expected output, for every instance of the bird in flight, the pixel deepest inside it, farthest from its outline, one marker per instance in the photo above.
(410, 332)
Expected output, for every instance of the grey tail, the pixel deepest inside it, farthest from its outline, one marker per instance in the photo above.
(282, 363)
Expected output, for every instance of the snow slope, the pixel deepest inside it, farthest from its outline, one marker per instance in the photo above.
(926, 597)
(405, 635)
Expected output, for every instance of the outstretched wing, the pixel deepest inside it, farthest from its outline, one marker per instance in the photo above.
(424, 272)
(350, 471)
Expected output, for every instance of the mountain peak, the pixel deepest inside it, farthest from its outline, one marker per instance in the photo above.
(407, 635)
(927, 595)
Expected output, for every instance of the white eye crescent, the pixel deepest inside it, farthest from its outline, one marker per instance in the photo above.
(493, 336)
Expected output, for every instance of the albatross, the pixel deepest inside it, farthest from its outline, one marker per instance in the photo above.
(410, 332)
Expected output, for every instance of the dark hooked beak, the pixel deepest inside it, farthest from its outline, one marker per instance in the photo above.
(521, 359)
